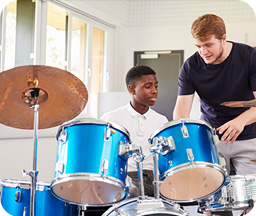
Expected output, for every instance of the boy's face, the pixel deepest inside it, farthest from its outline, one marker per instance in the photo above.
(145, 90)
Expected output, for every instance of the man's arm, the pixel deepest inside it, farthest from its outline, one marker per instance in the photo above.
(183, 106)
(233, 128)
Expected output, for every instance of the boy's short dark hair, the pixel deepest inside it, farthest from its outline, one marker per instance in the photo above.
(136, 72)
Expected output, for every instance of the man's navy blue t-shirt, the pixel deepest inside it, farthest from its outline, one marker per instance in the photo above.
(232, 80)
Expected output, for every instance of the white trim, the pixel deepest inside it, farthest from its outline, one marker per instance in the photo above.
(70, 8)
(3, 43)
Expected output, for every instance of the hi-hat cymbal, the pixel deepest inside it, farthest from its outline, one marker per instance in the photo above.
(251, 103)
(61, 96)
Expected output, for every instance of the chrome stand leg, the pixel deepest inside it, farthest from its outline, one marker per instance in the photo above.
(156, 176)
(34, 172)
(140, 179)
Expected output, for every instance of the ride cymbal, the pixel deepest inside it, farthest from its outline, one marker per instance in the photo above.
(251, 103)
(61, 96)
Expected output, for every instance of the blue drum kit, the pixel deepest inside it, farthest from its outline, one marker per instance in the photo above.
(92, 157)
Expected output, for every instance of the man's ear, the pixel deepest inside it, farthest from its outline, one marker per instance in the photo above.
(131, 89)
(224, 38)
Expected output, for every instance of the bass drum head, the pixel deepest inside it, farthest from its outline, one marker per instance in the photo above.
(147, 206)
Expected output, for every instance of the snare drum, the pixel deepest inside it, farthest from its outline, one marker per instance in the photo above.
(147, 206)
(235, 195)
(191, 170)
(90, 166)
(15, 200)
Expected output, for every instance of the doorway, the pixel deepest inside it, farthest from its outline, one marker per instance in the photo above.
(167, 65)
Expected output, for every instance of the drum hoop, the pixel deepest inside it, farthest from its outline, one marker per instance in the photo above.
(242, 177)
(178, 121)
(88, 176)
(145, 199)
(24, 184)
(227, 207)
(93, 121)
(196, 165)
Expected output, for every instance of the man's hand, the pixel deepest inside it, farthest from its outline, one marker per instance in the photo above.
(231, 130)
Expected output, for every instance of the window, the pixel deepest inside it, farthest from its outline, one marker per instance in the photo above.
(65, 38)
(9, 39)
(97, 65)
(56, 37)
(78, 48)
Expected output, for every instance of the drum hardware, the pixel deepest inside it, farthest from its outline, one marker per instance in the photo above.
(104, 168)
(190, 156)
(156, 177)
(108, 133)
(17, 195)
(250, 206)
(138, 157)
(184, 129)
(126, 150)
(29, 86)
(238, 193)
(253, 210)
(162, 145)
(215, 136)
(144, 205)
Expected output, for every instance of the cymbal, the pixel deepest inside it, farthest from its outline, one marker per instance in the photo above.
(61, 96)
(251, 103)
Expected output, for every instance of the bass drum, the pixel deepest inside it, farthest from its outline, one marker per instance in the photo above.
(147, 206)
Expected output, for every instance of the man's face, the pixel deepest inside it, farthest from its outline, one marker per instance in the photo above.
(211, 50)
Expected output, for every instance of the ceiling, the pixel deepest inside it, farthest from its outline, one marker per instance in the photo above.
(166, 12)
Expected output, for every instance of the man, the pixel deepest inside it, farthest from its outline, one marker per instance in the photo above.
(141, 121)
(221, 71)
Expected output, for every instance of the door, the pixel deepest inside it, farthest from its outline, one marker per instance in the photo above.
(167, 65)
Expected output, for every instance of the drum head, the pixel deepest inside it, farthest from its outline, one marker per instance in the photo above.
(88, 190)
(192, 184)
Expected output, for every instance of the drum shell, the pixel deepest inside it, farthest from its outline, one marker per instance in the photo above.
(200, 140)
(84, 151)
(46, 204)
(194, 155)
(234, 195)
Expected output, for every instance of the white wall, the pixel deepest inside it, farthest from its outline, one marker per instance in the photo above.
(168, 38)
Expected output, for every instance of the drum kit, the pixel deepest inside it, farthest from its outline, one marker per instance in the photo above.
(92, 156)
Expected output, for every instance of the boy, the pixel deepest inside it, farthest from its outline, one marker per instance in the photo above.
(141, 121)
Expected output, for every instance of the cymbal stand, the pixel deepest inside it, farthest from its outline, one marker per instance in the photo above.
(33, 174)
(31, 98)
